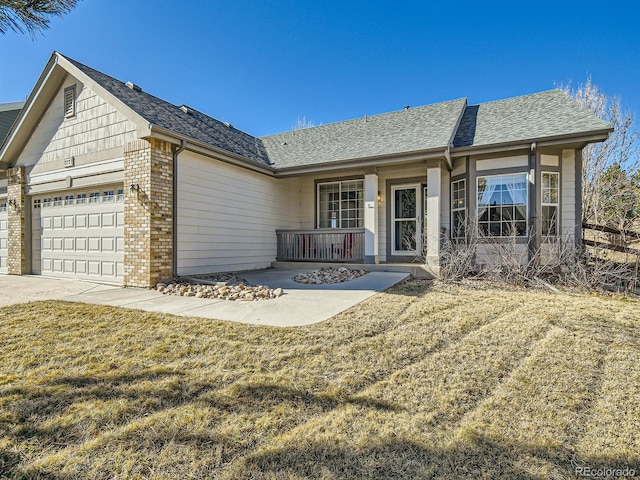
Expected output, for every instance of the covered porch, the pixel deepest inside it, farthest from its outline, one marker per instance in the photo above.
(388, 215)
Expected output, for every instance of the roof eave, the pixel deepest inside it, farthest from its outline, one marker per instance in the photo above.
(202, 148)
(583, 138)
(50, 80)
(378, 160)
(9, 148)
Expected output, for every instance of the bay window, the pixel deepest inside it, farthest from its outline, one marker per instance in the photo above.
(341, 204)
(502, 205)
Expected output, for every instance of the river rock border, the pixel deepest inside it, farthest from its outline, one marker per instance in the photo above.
(329, 275)
(223, 287)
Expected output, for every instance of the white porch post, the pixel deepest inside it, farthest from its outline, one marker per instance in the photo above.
(371, 254)
(433, 214)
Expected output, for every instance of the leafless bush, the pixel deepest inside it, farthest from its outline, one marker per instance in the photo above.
(555, 261)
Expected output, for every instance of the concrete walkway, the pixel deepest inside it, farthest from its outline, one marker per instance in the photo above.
(300, 305)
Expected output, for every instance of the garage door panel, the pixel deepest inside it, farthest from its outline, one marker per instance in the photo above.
(108, 220)
(108, 244)
(108, 268)
(81, 244)
(94, 244)
(79, 239)
(94, 267)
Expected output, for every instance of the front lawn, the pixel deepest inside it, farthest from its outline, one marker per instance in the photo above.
(417, 382)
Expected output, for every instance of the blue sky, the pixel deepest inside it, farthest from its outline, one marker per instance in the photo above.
(262, 64)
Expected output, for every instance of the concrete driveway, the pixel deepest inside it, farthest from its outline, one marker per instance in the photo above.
(300, 304)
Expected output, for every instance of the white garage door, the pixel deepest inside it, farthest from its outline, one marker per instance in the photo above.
(3, 235)
(79, 234)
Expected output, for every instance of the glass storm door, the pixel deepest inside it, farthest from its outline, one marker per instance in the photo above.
(405, 220)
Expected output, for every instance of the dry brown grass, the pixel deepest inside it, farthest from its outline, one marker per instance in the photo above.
(422, 381)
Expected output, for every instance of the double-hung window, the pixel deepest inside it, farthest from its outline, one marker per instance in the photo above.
(502, 205)
(458, 208)
(341, 204)
(550, 203)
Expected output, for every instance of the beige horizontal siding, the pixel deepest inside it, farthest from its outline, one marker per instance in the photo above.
(568, 219)
(227, 216)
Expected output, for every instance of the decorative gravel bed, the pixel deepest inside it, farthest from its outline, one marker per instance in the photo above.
(329, 275)
(224, 286)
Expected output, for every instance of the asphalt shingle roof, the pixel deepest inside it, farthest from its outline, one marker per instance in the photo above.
(546, 114)
(8, 114)
(196, 125)
(409, 130)
(527, 118)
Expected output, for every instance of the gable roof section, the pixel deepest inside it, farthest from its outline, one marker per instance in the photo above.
(417, 129)
(429, 131)
(8, 114)
(530, 117)
(195, 125)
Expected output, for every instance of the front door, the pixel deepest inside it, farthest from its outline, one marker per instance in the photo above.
(405, 219)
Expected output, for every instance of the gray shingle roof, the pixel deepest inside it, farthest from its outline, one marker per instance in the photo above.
(527, 118)
(531, 117)
(411, 130)
(196, 126)
(8, 114)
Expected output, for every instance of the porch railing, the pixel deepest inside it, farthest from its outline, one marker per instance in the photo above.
(321, 245)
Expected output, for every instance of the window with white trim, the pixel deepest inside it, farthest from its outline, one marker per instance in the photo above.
(37, 203)
(81, 199)
(458, 208)
(3, 206)
(46, 202)
(120, 196)
(341, 204)
(57, 201)
(70, 101)
(68, 200)
(502, 205)
(94, 197)
(108, 196)
(550, 203)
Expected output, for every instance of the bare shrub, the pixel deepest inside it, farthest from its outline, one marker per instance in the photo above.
(555, 261)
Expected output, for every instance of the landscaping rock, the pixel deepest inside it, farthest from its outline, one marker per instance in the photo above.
(329, 275)
(223, 286)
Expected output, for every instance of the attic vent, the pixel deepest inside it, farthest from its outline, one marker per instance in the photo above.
(186, 109)
(68, 162)
(228, 125)
(70, 101)
(133, 86)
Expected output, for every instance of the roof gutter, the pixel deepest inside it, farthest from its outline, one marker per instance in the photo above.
(378, 160)
(590, 137)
